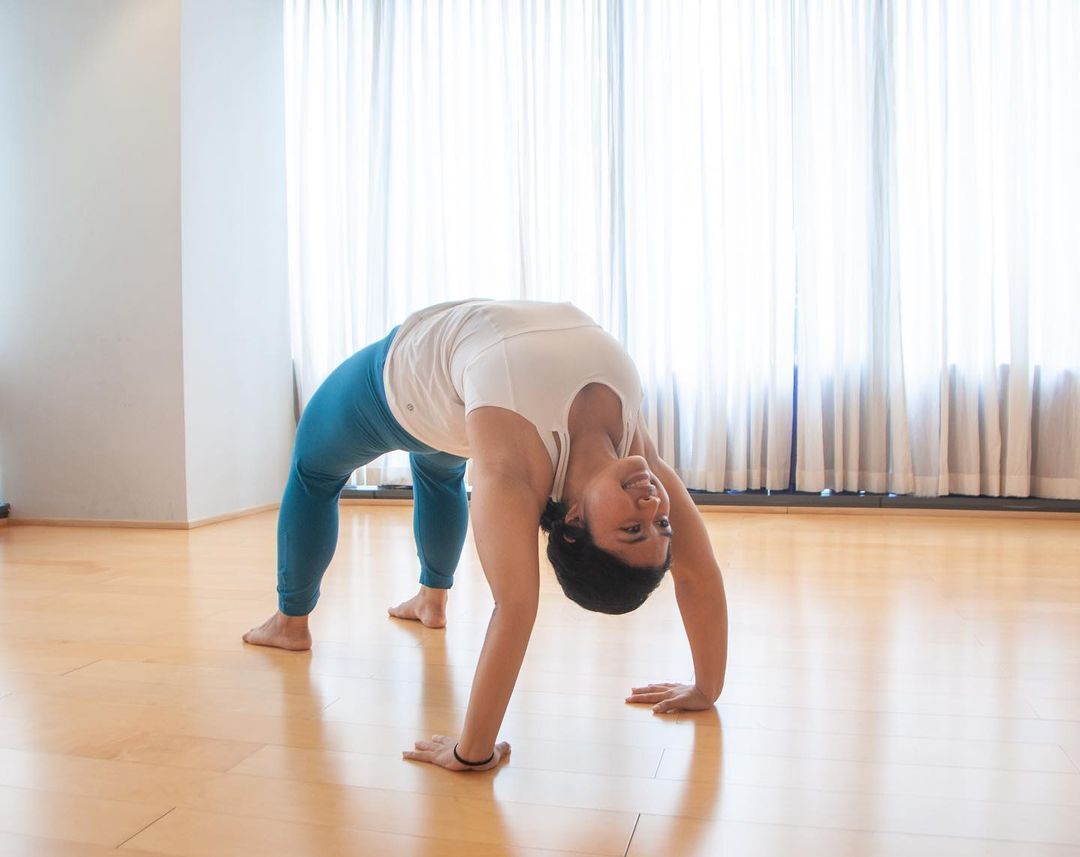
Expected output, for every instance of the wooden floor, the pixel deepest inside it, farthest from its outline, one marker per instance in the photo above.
(898, 686)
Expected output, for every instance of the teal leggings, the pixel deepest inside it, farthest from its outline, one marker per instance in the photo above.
(346, 424)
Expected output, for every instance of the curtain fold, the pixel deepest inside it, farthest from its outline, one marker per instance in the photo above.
(877, 198)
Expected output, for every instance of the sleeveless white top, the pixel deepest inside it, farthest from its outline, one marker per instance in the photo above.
(528, 357)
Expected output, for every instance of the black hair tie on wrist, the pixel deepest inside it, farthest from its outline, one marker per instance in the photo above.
(473, 764)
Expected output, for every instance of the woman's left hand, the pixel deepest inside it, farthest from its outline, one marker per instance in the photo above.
(669, 696)
(440, 751)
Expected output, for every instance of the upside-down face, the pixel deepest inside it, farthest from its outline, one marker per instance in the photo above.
(625, 508)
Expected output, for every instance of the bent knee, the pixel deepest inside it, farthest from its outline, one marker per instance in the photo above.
(315, 476)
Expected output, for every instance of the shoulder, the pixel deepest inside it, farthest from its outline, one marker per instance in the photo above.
(507, 443)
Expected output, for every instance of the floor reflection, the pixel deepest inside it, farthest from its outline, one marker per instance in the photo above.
(700, 796)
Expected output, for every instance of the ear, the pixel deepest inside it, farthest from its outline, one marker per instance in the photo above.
(574, 518)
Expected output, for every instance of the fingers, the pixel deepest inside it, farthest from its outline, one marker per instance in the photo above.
(666, 696)
(654, 692)
(648, 697)
(662, 692)
(419, 755)
(425, 750)
(503, 747)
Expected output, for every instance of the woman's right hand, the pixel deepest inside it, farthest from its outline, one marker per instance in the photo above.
(440, 751)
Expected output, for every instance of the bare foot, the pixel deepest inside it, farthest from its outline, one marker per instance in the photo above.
(427, 606)
(282, 632)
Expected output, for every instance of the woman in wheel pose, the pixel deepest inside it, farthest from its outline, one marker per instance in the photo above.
(547, 406)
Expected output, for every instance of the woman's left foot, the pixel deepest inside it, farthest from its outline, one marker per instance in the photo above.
(428, 607)
(282, 632)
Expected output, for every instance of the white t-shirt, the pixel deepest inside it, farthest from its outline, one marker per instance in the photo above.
(529, 357)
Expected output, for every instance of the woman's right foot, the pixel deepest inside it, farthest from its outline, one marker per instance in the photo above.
(282, 632)
(428, 607)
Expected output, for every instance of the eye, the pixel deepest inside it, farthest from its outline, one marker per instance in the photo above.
(663, 523)
(636, 528)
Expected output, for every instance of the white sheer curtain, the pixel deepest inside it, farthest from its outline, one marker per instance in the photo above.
(881, 193)
(987, 243)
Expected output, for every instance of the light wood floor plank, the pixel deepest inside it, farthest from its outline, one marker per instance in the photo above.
(479, 820)
(878, 777)
(16, 845)
(200, 834)
(690, 837)
(65, 774)
(30, 812)
(123, 741)
(75, 688)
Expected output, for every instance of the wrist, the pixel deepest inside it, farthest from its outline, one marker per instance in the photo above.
(473, 763)
(472, 752)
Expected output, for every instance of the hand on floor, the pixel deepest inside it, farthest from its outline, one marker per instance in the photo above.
(440, 751)
(669, 696)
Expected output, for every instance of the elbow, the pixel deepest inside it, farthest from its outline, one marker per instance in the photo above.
(519, 609)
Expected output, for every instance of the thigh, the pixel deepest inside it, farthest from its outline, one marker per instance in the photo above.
(339, 430)
(440, 467)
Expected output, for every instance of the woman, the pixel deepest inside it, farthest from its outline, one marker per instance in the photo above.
(546, 404)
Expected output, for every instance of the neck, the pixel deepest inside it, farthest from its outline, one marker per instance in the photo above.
(591, 450)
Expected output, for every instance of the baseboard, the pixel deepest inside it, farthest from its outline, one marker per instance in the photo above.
(243, 513)
(98, 522)
(138, 525)
(929, 512)
(794, 503)
(373, 501)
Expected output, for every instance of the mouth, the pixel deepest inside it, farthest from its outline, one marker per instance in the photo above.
(640, 480)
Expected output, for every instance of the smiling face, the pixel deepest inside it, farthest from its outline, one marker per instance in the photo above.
(625, 508)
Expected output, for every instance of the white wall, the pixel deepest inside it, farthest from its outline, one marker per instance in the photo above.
(237, 364)
(144, 357)
(91, 405)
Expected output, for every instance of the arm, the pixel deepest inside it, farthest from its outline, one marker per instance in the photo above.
(505, 510)
(699, 591)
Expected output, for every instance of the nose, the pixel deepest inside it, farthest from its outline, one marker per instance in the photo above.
(649, 501)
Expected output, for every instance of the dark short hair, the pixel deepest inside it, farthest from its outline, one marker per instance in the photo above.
(591, 576)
